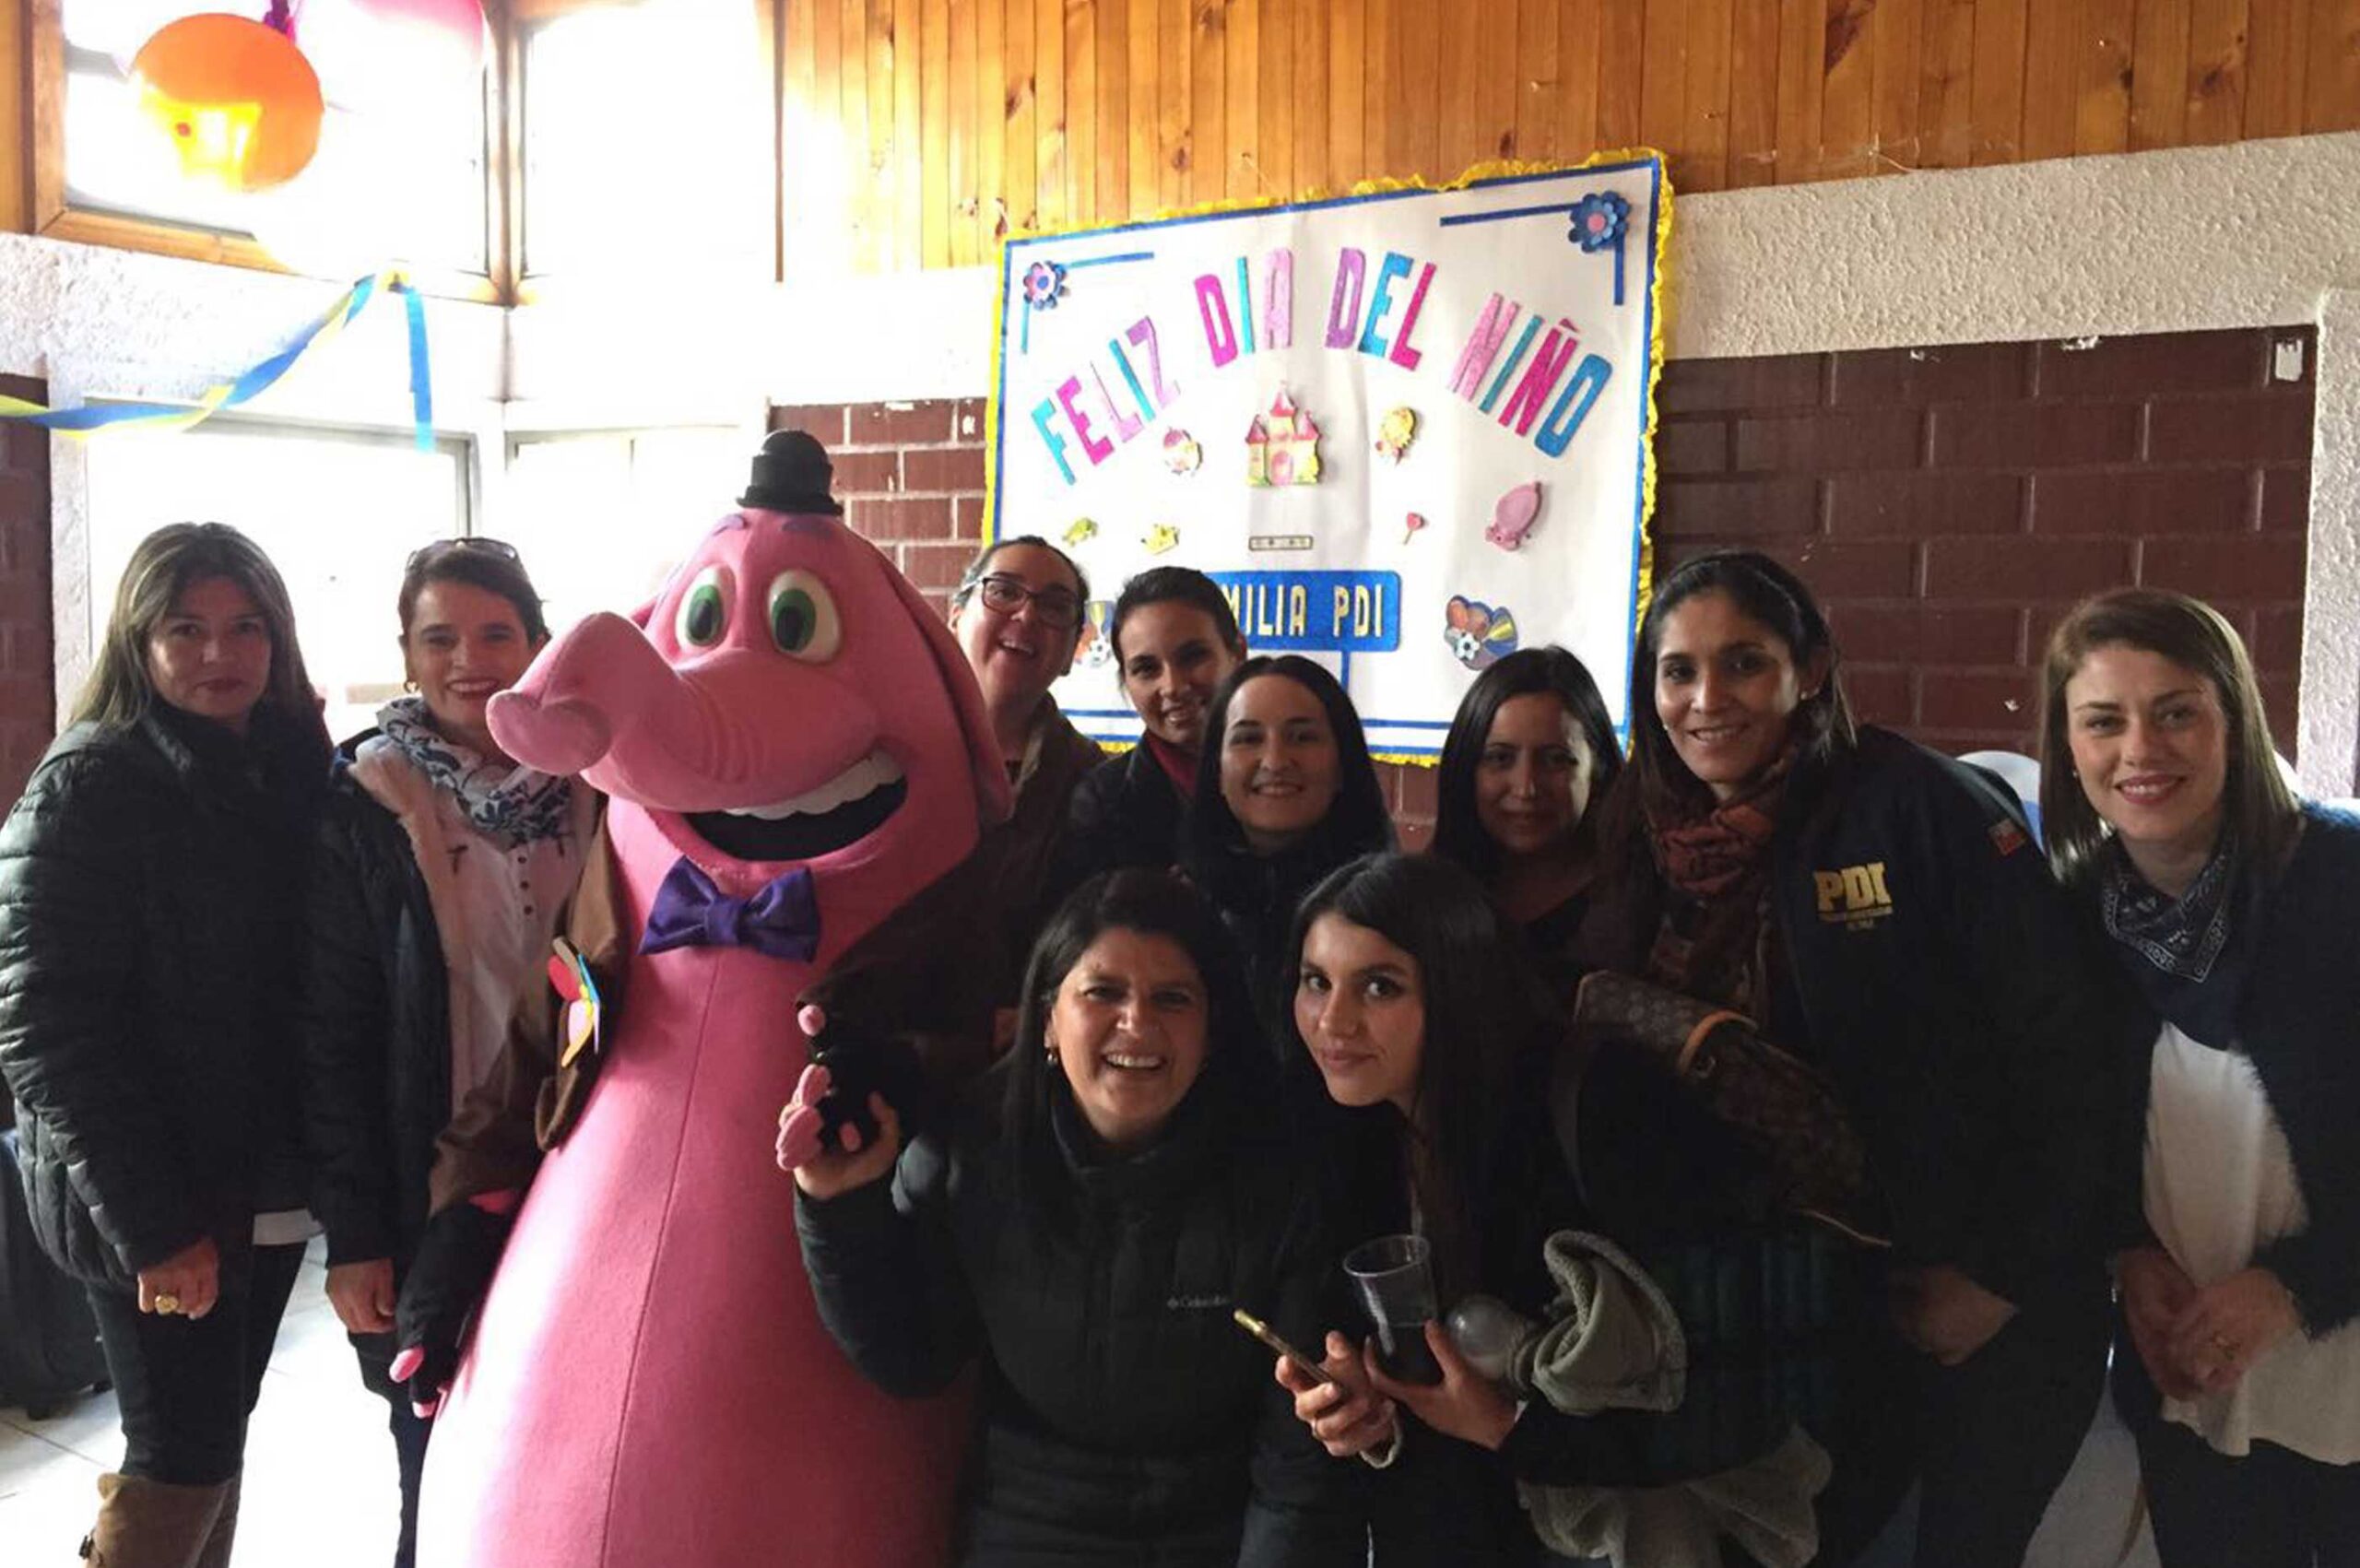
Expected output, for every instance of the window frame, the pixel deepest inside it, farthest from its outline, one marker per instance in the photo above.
(519, 17)
(51, 214)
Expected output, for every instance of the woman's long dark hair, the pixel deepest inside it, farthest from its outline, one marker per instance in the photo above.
(1484, 1010)
(1657, 782)
(1152, 903)
(1525, 673)
(2260, 816)
(1356, 821)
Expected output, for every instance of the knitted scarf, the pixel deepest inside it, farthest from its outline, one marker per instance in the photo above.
(1716, 861)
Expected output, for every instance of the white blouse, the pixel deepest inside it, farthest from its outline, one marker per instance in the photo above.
(2219, 1184)
(495, 910)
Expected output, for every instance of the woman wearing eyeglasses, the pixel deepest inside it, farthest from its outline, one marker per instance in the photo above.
(436, 894)
(1017, 613)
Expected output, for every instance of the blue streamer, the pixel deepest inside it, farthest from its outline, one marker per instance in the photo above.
(421, 380)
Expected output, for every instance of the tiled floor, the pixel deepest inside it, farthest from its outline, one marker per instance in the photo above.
(320, 1471)
(319, 1492)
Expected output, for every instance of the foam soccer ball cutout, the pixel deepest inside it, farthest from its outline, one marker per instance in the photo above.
(238, 100)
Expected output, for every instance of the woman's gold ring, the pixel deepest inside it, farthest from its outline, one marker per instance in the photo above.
(167, 1303)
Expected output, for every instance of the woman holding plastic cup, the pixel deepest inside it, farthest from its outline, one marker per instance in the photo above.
(1436, 1048)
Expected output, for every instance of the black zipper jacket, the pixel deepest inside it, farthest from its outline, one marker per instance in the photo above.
(151, 894)
(1126, 1418)
(1973, 1025)
(376, 1025)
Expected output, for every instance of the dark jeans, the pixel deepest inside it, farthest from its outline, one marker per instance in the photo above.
(186, 1387)
(2272, 1509)
(411, 1430)
(2002, 1429)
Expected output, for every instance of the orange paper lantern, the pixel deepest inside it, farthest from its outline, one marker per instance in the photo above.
(238, 98)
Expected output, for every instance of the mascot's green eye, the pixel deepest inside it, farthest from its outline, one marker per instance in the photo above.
(705, 609)
(803, 617)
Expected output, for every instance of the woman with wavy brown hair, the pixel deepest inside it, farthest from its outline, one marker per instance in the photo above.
(2231, 905)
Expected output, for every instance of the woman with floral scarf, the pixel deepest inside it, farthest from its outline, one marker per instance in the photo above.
(1881, 912)
(443, 867)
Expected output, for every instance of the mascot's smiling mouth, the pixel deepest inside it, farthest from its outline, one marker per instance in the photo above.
(820, 821)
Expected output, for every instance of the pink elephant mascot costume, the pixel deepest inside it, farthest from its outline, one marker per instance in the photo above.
(794, 751)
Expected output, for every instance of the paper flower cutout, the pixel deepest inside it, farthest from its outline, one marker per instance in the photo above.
(1282, 446)
(1513, 516)
(1082, 531)
(1395, 432)
(1413, 523)
(1599, 219)
(1476, 634)
(1181, 453)
(1162, 539)
(1044, 285)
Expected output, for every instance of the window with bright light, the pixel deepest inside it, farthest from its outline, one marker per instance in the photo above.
(393, 179)
(337, 513)
(601, 520)
(647, 141)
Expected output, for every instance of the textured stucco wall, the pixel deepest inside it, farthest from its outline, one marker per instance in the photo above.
(2248, 235)
(2329, 737)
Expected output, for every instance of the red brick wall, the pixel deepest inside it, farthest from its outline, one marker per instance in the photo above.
(1947, 505)
(28, 708)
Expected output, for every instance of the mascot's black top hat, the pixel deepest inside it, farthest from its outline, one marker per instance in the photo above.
(792, 473)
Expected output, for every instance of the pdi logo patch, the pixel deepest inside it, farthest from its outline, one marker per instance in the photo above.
(1854, 897)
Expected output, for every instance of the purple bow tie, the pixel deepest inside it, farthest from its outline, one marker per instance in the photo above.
(781, 921)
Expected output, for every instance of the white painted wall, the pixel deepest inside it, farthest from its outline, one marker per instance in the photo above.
(95, 321)
(2263, 234)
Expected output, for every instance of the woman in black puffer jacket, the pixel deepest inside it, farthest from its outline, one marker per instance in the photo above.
(150, 902)
(1118, 1185)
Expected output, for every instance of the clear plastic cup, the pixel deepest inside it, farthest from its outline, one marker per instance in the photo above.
(1395, 1277)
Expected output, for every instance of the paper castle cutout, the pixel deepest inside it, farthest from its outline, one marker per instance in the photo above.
(1282, 446)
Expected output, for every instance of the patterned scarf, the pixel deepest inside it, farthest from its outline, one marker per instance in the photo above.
(510, 808)
(2195, 951)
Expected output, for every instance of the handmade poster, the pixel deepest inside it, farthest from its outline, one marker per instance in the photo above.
(1406, 430)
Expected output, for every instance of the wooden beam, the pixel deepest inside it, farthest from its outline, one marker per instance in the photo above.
(15, 120)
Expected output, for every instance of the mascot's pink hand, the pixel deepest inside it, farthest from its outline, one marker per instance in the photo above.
(798, 1125)
(405, 1367)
